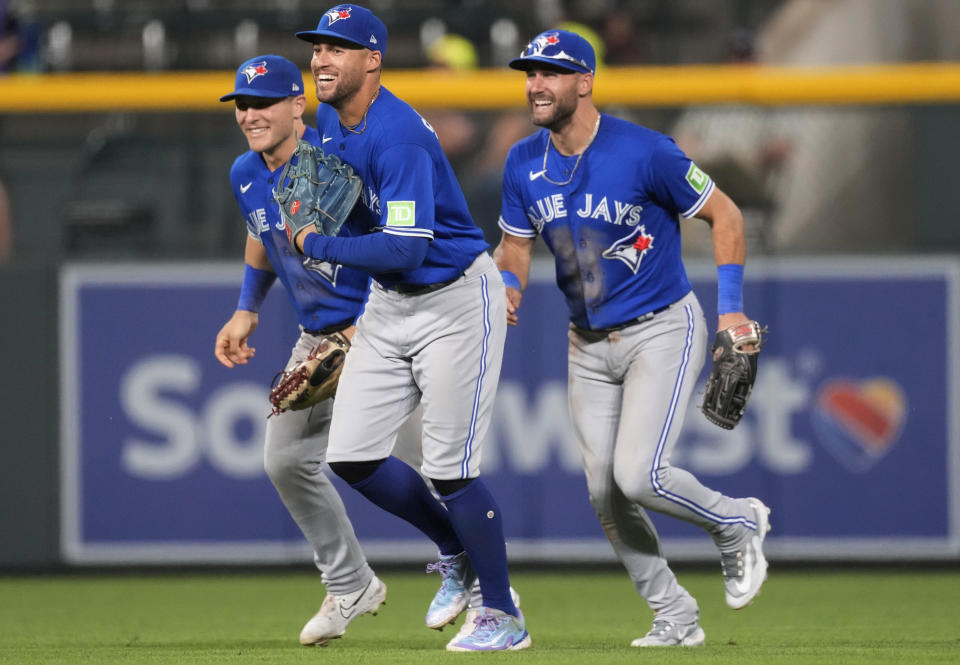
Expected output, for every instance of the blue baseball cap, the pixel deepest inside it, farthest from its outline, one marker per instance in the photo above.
(267, 76)
(351, 23)
(560, 48)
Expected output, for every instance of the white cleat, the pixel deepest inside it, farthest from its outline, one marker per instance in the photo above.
(745, 569)
(336, 612)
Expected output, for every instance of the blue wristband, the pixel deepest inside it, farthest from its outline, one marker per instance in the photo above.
(729, 288)
(256, 283)
(510, 280)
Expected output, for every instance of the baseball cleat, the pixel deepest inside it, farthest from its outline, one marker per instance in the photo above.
(454, 593)
(494, 630)
(669, 634)
(336, 612)
(745, 569)
(473, 610)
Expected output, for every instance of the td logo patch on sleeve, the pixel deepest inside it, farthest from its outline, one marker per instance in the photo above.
(401, 213)
(697, 178)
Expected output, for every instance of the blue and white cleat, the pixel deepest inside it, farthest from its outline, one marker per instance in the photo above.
(745, 569)
(494, 630)
(474, 609)
(454, 594)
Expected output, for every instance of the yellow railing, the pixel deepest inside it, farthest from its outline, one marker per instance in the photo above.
(503, 88)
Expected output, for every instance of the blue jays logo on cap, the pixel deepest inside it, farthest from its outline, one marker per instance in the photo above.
(335, 14)
(267, 76)
(560, 48)
(350, 23)
(254, 70)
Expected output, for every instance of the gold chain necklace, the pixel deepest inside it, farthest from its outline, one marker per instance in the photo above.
(364, 118)
(596, 128)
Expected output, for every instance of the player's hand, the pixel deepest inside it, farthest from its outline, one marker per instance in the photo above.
(513, 304)
(733, 319)
(231, 346)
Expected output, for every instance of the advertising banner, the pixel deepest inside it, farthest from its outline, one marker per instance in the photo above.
(851, 434)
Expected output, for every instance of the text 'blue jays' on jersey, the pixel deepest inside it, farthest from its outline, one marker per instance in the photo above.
(323, 294)
(409, 188)
(614, 229)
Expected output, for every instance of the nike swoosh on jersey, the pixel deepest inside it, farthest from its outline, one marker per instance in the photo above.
(534, 176)
(326, 138)
(244, 188)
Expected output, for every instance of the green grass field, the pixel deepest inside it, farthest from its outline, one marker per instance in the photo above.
(810, 616)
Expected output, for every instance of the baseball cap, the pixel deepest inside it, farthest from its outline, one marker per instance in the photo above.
(560, 48)
(267, 76)
(350, 23)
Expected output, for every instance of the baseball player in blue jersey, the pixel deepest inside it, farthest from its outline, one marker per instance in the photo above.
(328, 298)
(606, 196)
(432, 332)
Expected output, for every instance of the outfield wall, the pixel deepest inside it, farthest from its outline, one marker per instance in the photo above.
(850, 435)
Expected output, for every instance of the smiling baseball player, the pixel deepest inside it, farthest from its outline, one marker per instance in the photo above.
(606, 196)
(327, 297)
(432, 332)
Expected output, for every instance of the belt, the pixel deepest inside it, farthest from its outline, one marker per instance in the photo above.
(603, 332)
(420, 289)
(329, 330)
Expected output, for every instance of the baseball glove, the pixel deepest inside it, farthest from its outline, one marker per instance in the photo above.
(312, 380)
(318, 189)
(733, 373)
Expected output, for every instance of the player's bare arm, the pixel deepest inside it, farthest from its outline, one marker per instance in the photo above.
(729, 245)
(513, 255)
(231, 347)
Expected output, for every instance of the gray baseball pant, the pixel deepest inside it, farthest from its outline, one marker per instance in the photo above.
(294, 454)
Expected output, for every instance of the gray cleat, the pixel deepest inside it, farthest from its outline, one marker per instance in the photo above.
(668, 634)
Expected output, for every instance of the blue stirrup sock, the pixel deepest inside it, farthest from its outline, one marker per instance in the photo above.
(400, 490)
(477, 520)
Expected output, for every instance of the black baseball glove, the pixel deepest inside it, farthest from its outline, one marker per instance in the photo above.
(315, 188)
(733, 373)
(314, 379)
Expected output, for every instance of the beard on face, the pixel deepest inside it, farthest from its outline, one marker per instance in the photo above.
(348, 83)
(561, 112)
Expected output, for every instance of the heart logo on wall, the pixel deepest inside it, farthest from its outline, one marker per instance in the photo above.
(859, 422)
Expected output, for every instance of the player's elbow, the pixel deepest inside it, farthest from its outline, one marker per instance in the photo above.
(408, 253)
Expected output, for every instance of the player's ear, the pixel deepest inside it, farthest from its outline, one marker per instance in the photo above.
(299, 106)
(374, 60)
(585, 85)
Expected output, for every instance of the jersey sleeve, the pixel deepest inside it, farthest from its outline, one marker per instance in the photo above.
(253, 227)
(406, 175)
(677, 182)
(513, 220)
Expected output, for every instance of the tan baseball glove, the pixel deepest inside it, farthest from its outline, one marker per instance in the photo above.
(314, 379)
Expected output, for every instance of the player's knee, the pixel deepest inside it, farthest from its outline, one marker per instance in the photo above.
(449, 487)
(356, 472)
(281, 465)
(639, 487)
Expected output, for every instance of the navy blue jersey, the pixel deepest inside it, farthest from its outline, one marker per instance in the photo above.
(409, 187)
(322, 293)
(614, 229)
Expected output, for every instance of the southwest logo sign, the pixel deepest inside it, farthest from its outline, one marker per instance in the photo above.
(858, 422)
